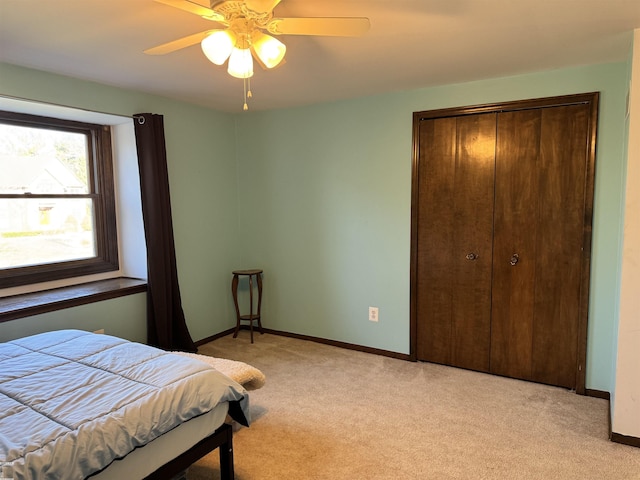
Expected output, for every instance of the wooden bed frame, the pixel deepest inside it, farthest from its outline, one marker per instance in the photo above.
(222, 438)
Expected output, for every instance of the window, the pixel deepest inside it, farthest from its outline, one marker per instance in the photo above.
(57, 203)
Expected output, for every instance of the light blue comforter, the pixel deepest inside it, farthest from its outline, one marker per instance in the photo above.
(72, 401)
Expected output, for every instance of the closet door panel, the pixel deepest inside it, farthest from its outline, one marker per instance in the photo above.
(436, 177)
(473, 240)
(515, 232)
(562, 172)
(455, 218)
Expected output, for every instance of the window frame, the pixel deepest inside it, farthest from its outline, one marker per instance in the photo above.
(101, 192)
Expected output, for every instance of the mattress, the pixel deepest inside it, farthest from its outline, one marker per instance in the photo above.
(147, 459)
(72, 402)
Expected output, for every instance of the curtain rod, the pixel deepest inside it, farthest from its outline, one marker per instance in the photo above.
(139, 118)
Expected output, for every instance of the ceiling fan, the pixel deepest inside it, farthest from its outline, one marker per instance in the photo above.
(247, 29)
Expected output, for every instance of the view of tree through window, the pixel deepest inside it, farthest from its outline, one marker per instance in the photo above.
(51, 209)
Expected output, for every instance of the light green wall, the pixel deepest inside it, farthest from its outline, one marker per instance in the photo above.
(326, 203)
(202, 170)
(123, 317)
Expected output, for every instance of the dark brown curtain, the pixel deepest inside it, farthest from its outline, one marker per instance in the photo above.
(166, 325)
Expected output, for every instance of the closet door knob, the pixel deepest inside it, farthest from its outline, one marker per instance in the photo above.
(514, 259)
(471, 256)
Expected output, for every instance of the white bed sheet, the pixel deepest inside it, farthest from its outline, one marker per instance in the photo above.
(147, 459)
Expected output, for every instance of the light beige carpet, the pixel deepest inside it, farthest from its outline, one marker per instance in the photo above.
(330, 413)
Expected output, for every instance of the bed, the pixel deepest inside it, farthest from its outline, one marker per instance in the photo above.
(74, 405)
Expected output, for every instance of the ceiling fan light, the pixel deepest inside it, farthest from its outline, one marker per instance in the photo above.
(218, 46)
(270, 51)
(240, 63)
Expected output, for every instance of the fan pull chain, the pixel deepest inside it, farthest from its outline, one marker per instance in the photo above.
(247, 92)
(245, 107)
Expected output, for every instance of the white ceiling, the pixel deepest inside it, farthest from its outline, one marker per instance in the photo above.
(411, 44)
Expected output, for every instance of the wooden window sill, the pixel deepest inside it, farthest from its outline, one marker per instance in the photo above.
(25, 305)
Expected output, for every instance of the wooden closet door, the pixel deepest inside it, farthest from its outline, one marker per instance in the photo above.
(519, 305)
(515, 233)
(541, 163)
(455, 227)
(561, 220)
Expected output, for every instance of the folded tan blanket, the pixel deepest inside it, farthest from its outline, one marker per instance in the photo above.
(249, 377)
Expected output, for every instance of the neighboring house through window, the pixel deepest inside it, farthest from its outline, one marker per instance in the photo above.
(57, 201)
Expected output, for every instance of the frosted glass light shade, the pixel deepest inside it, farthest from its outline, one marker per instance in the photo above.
(218, 46)
(240, 63)
(269, 50)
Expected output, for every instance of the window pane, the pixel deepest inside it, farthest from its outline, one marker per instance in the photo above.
(38, 160)
(35, 231)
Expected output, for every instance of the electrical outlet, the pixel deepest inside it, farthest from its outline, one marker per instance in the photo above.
(373, 314)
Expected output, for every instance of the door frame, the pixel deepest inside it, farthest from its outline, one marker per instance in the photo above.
(591, 99)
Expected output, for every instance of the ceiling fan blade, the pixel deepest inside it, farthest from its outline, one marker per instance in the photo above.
(338, 27)
(181, 43)
(194, 8)
(261, 6)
